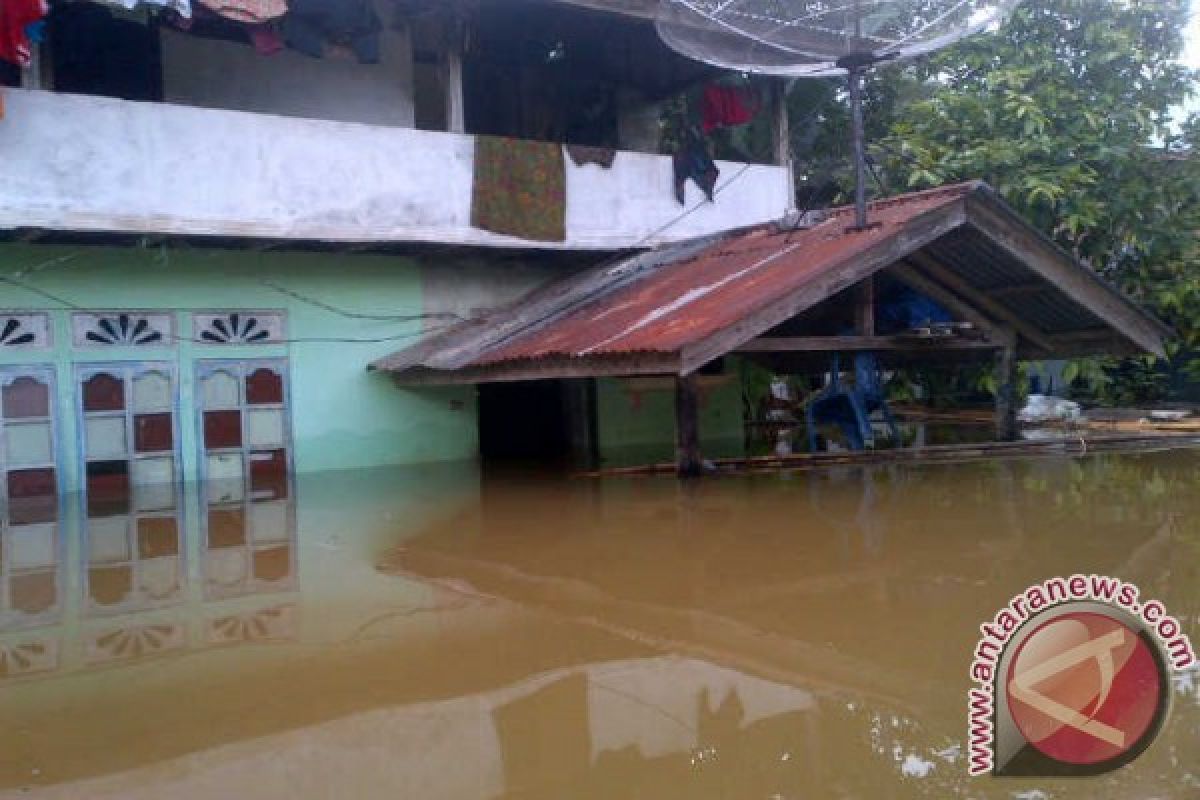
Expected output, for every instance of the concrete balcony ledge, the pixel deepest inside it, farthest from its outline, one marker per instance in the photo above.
(76, 163)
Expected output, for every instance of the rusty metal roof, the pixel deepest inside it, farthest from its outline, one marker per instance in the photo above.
(676, 308)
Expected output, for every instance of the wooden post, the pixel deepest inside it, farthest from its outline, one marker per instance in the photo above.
(1006, 391)
(864, 311)
(687, 427)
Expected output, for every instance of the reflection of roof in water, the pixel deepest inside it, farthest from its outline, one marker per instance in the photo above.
(456, 747)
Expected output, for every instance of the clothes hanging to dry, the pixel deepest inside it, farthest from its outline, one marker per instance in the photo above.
(315, 26)
(520, 189)
(583, 155)
(15, 16)
(181, 7)
(251, 12)
(727, 106)
(266, 39)
(692, 161)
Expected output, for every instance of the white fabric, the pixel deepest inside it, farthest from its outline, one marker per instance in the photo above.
(183, 7)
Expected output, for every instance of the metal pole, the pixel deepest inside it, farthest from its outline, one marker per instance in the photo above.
(855, 74)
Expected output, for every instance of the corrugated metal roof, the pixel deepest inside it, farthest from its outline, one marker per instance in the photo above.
(698, 295)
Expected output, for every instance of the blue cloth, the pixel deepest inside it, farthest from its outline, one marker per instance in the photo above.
(904, 309)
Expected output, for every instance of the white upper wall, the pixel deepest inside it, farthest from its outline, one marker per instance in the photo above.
(211, 73)
(79, 163)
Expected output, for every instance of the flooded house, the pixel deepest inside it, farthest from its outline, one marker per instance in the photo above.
(210, 229)
(241, 249)
(258, 273)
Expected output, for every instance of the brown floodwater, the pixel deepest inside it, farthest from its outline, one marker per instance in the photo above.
(437, 633)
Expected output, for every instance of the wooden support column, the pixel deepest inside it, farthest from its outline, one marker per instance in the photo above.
(687, 427)
(1006, 391)
(864, 311)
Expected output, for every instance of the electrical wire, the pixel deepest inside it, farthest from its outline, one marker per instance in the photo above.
(63, 303)
(321, 304)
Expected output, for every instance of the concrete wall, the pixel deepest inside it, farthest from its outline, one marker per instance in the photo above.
(212, 73)
(97, 164)
(636, 419)
(342, 416)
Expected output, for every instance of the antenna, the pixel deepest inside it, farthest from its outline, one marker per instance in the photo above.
(822, 38)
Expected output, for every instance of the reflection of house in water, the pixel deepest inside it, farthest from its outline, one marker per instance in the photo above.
(137, 596)
(30, 584)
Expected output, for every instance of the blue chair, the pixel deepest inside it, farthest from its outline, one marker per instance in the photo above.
(850, 407)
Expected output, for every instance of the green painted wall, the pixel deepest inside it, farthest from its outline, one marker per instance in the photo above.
(342, 416)
(636, 418)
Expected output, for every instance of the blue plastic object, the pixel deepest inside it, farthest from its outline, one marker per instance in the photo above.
(850, 407)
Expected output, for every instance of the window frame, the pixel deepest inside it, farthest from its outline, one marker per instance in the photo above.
(135, 512)
(242, 368)
(10, 618)
(128, 371)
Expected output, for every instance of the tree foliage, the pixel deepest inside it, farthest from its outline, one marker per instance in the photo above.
(1067, 112)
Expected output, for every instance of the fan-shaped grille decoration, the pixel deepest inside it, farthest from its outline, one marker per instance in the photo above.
(23, 330)
(239, 327)
(122, 329)
(268, 624)
(26, 657)
(135, 642)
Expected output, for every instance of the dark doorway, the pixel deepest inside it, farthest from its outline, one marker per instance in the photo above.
(535, 422)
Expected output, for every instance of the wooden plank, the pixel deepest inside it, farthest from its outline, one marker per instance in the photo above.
(854, 268)
(864, 309)
(1004, 229)
(542, 369)
(689, 463)
(972, 295)
(834, 344)
(1075, 445)
(1006, 394)
(1018, 290)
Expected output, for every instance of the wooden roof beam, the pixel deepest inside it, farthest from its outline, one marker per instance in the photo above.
(917, 233)
(966, 312)
(1003, 228)
(834, 344)
(970, 294)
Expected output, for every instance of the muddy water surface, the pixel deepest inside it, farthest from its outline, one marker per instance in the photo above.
(436, 633)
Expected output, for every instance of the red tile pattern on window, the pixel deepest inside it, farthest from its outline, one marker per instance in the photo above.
(222, 429)
(109, 586)
(108, 488)
(103, 393)
(264, 387)
(26, 397)
(23, 483)
(157, 537)
(268, 473)
(33, 593)
(153, 433)
(273, 564)
(226, 527)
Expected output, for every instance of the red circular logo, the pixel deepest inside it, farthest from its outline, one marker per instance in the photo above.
(1084, 688)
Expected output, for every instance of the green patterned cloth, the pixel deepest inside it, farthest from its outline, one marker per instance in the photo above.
(520, 189)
